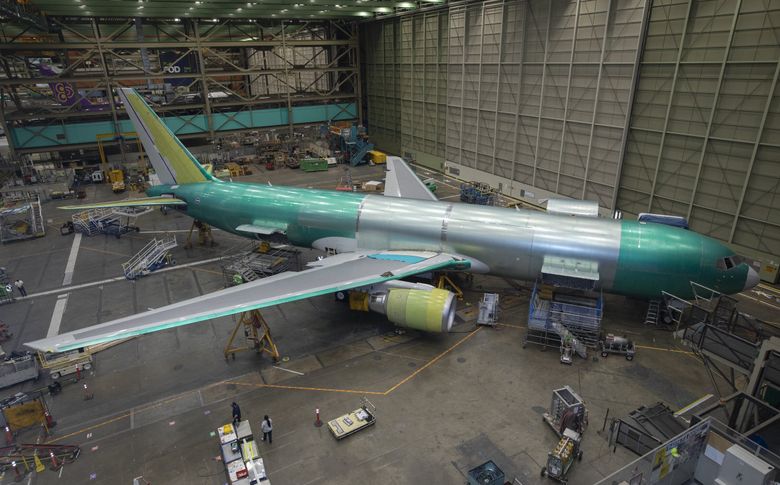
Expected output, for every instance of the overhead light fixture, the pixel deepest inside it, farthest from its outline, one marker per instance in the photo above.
(191, 8)
(284, 11)
(177, 19)
(273, 15)
(198, 2)
(383, 10)
(323, 11)
(364, 14)
(82, 6)
(239, 9)
(213, 20)
(140, 7)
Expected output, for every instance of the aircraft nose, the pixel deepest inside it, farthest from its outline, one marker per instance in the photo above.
(751, 280)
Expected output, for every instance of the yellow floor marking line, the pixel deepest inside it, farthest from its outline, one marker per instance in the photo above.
(432, 361)
(665, 350)
(270, 386)
(304, 388)
(762, 302)
(770, 288)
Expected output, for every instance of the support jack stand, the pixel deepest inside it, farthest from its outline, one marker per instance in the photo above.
(258, 336)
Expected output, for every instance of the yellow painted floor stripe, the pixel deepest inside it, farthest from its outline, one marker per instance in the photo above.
(664, 350)
(765, 286)
(270, 386)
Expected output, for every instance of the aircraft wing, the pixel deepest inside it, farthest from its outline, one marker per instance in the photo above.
(336, 273)
(401, 181)
(142, 202)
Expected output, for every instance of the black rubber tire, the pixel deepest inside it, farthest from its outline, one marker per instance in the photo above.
(604, 354)
(579, 456)
(544, 471)
(629, 357)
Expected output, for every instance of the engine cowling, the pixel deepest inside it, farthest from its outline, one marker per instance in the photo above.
(427, 310)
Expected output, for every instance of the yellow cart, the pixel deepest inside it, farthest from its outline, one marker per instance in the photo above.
(357, 420)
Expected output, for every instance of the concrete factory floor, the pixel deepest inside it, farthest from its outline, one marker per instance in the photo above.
(445, 403)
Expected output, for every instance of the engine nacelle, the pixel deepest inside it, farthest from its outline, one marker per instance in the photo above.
(427, 310)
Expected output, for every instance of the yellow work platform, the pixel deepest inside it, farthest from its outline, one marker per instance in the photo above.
(357, 420)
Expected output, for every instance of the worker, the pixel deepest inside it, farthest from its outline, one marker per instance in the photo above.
(267, 427)
(20, 286)
(236, 414)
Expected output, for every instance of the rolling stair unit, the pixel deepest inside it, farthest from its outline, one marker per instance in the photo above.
(153, 256)
(94, 221)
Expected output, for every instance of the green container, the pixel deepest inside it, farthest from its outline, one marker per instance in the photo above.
(314, 164)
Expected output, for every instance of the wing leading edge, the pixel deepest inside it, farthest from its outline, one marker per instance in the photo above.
(142, 202)
(340, 272)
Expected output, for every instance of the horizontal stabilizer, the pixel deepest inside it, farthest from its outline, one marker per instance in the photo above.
(144, 202)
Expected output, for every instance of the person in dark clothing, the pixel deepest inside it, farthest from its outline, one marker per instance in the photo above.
(20, 286)
(268, 428)
(236, 414)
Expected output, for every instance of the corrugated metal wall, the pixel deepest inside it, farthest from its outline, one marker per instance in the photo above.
(538, 94)
(705, 127)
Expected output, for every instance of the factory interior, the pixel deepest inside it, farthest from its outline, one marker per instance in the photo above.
(483, 242)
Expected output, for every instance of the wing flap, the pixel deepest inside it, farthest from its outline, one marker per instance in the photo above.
(401, 181)
(143, 202)
(361, 269)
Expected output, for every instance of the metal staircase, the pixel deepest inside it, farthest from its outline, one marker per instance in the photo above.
(151, 257)
(360, 150)
(94, 221)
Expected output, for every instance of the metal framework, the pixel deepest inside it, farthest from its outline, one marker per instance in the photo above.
(205, 77)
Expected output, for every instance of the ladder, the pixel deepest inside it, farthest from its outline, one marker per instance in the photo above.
(150, 258)
(653, 310)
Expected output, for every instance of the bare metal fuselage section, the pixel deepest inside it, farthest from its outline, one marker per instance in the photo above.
(498, 241)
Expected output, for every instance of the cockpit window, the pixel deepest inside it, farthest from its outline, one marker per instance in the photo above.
(730, 262)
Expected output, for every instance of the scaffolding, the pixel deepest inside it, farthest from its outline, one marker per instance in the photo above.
(556, 318)
(260, 260)
(203, 77)
(22, 221)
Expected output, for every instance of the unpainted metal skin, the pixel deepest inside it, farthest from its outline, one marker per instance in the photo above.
(634, 259)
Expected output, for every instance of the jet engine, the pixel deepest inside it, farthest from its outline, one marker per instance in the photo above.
(429, 310)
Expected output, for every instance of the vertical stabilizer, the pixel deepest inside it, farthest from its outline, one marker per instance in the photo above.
(173, 163)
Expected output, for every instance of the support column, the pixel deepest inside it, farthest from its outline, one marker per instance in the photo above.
(109, 88)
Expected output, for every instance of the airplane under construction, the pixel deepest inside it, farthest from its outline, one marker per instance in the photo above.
(374, 242)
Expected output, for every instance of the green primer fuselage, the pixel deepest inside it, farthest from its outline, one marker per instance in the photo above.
(635, 259)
